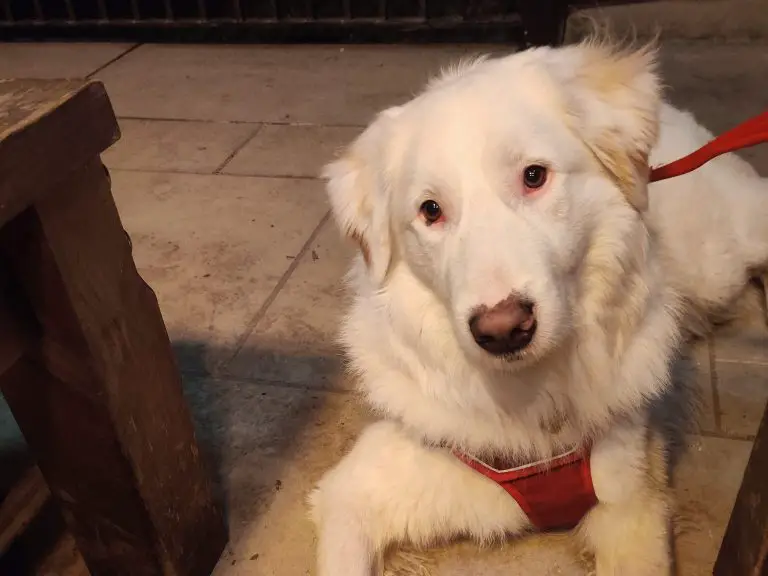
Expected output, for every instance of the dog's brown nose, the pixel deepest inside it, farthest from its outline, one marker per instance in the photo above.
(506, 328)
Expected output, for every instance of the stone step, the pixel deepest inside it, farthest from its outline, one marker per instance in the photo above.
(728, 20)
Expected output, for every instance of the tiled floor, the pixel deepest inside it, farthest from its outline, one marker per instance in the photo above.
(215, 178)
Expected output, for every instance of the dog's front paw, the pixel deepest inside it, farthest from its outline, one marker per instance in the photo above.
(630, 539)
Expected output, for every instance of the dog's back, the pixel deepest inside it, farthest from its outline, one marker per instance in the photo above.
(713, 222)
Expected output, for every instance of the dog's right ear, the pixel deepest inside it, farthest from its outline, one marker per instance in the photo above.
(359, 194)
(615, 101)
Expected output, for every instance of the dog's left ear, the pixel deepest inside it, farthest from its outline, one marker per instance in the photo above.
(615, 102)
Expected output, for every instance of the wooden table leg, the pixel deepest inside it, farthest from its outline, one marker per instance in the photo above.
(744, 551)
(99, 397)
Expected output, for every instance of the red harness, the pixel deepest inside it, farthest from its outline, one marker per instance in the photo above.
(558, 493)
(555, 494)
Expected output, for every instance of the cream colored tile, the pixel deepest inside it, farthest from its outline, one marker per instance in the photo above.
(746, 338)
(707, 481)
(743, 391)
(56, 59)
(213, 248)
(734, 20)
(340, 85)
(545, 555)
(702, 76)
(296, 339)
(176, 146)
(279, 150)
(269, 446)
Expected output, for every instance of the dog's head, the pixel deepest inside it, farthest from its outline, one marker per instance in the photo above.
(494, 184)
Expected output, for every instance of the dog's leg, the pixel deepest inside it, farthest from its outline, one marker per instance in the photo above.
(629, 530)
(391, 489)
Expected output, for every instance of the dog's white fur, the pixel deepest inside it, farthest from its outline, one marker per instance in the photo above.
(612, 268)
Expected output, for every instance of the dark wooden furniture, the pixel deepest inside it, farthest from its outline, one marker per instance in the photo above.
(744, 551)
(544, 21)
(85, 361)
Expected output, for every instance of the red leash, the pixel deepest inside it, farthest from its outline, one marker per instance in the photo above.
(749, 133)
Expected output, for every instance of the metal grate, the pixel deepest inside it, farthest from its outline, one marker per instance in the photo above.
(264, 20)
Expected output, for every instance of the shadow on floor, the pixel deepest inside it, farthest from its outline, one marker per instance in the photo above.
(296, 364)
(673, 416)
(248, 428)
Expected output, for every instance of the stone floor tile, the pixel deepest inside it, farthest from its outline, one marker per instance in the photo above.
(746, 338)
(281, 150)
(214, 248)
(742, 391)
(707, 481)
(729, 20)
(56, 59)
(342, 85)
(269, 446)
(176, 146)
(543, 555)
(702, 76)
(297, 337)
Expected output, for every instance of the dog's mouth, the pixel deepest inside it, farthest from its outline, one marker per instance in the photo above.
(527, 354)
(510, 349)
(508, 359)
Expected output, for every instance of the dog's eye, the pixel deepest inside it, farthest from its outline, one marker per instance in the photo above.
(431, 212)
(534, 176)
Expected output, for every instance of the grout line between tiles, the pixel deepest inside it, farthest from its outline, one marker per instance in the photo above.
(228, 175)
(261, 312)
(115, 59)
(713, 380)
(238, 148)
(725, 436)
(265, 175)
(762, 363)
(260, 122)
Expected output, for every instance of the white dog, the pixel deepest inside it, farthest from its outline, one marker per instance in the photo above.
(518, 300)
